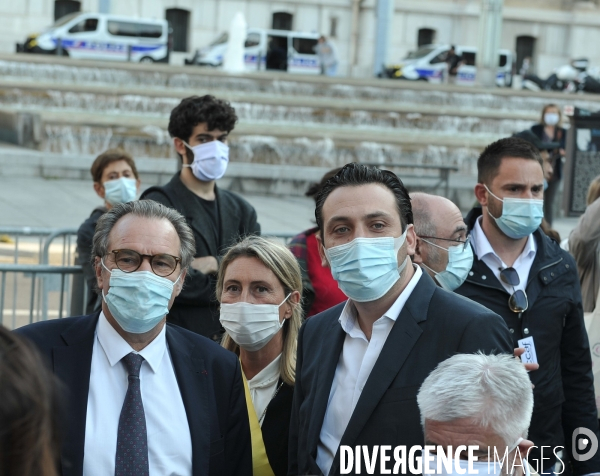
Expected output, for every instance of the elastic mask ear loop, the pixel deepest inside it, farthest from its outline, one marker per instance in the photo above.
(286, 298)
(190, 148)
(497, 198)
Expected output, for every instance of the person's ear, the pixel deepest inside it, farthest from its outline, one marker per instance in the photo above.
(523, 449)
(99, 268)
(292, 302)
(180, 148)
(481, 194)
(99, 189)
(418, 255)
(179, 285)
(324, 261)
(411, 240)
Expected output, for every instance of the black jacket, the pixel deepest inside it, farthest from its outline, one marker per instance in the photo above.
(560, 135)
(209, 378)
(85, 237)
(564, 382)
(276, 429)
(196, 307)
(433, 325)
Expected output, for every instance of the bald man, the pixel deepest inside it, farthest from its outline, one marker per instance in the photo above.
(442, 247)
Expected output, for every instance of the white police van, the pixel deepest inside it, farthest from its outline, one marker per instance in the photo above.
(428, 63)
(279, 50)
(104, 37)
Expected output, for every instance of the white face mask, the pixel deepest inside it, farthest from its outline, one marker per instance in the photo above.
(210, 160)
(551, 118)
(251, 326)
(480, 467)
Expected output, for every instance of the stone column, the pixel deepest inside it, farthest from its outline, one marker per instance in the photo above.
(490, 31)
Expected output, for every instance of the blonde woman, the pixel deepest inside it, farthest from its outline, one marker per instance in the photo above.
(259, 286)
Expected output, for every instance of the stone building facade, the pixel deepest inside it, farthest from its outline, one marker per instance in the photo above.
(550, 31)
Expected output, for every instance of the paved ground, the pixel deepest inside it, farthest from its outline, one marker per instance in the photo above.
(48, 203)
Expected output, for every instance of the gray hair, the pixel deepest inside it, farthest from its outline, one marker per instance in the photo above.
(422, 219)
(493, 390)
(145, 209)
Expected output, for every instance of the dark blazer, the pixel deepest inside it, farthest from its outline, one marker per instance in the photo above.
(196, 307)
(276, 429)
(432, 326)
(209, 379)
(563, 396)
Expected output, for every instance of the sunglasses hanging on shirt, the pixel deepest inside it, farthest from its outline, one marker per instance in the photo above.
(517, 302)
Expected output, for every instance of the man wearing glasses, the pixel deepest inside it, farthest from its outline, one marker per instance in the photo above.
(524, 276)
(442, 247)
(144, 397)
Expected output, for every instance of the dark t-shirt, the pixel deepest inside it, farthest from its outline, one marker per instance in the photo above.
(212, 209)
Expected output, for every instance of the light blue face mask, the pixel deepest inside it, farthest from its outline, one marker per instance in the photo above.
(460, 262)
(366, 268)
(138, 301)
(121, 190)
(520, 216)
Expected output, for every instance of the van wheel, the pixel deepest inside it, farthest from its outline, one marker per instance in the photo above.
(147, 59)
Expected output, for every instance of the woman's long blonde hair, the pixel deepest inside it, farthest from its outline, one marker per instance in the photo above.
(282, 262)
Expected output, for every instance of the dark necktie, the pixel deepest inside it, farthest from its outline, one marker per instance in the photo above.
(132, 442)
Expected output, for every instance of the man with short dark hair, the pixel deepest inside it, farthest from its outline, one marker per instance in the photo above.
(524, 276)
(200, 127)
(361, 363)
(116, 181)
(144, 397)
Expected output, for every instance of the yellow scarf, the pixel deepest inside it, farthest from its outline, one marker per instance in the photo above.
(260, 461)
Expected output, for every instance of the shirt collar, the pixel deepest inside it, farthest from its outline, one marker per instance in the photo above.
(348, 316)
(115, 347)
(482, 247)
(266, 376)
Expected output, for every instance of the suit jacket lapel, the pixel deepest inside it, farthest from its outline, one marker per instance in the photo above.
(192, 379)
(72, 365)
(403, 336)
(331, 347)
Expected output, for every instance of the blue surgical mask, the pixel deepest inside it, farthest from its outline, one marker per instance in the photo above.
(545, 185)
(366, 268)
(121, 190)
(210, 160)
(138, 301)
(520, 216)
(460, 261)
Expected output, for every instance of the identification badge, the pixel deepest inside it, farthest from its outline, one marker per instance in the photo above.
(529, 356)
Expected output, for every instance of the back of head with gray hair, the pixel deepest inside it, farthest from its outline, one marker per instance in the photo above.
(144, 209)
(493, 390)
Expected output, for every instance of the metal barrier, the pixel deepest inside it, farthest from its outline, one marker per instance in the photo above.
(49, 292)
(53, 285)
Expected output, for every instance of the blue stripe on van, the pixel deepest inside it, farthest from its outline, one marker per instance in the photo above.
(105, 46)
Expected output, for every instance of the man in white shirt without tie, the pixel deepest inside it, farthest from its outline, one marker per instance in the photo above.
(361, 363)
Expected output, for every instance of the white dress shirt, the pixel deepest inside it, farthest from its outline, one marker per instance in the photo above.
(356, 362)
(263, 386)
(169, 440)
(484, 251)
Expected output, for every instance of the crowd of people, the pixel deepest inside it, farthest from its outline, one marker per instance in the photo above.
(208, 349)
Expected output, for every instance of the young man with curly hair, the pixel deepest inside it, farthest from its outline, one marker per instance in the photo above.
(200, 127)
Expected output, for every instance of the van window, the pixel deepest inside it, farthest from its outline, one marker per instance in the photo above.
(122, 28)
(420, 53)
(223, 38)
(89, 24)
(304, 46)
(468, 58)
(439, 58)
(253, 39)
(147, 30)
(503, 61)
